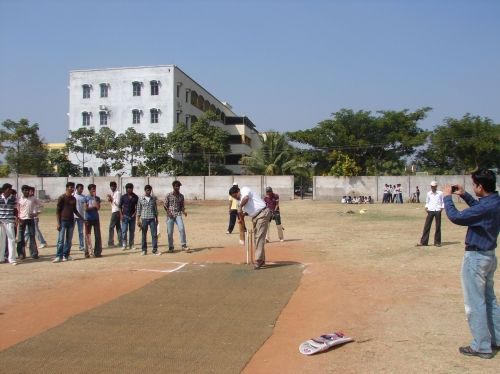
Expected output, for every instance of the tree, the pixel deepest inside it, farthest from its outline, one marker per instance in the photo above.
(25, 151)
(370, 140)
(131, 144)
(58, 160)
(273, 157)
(106, 148)
(462, 145)
(343, 165)
(201, 147)
(209, 140)
(81, 143)
(157, 154)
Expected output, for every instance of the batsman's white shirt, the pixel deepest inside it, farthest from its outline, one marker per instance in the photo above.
(254, 205)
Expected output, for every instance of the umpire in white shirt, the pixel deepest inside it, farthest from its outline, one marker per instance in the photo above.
(433, 206)
(255, 207)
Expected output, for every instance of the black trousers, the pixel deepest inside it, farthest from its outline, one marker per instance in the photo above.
(233, 214)
(26, 225)
(427, 228)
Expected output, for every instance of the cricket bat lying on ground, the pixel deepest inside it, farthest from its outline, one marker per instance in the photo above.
(323, 343)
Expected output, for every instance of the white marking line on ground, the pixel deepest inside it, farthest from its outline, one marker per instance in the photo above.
(181, 265)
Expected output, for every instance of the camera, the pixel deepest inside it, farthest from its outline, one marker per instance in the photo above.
(454, 189)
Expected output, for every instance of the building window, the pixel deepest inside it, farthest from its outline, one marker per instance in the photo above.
(103, 118)
(86, 91)
(233, 159)
(194, 98)
(187, 95)
(154, 115)
(104, 89)
(187, 120)
(136, 116)
(136, 88)
(178, 117)
(178, 89)
(154, 88)
(85, 119)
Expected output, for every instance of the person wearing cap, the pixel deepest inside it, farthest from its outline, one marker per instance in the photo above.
(255, 207)
(482, 219)
(174, 206)
(272, 201)
(433, 206)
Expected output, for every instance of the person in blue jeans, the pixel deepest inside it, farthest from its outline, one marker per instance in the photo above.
(147, 217)
(128, 210)
(174, 206)
(480, 262)
(65, 211)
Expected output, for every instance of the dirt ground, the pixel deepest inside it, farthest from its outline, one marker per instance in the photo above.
(363, 276)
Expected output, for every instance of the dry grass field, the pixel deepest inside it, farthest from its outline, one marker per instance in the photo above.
(362, 275)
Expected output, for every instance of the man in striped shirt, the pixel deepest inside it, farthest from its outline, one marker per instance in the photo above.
(147, 216)
(8, 213)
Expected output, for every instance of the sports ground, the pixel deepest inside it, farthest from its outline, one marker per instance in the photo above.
(208, 312)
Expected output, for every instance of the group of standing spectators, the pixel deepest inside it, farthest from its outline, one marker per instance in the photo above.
(19, 224)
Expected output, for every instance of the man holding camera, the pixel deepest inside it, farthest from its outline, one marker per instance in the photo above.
(479, 263)
(433, 207)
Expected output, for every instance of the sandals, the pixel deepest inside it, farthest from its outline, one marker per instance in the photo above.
(468, 351)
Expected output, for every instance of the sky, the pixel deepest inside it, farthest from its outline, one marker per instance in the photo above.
(286, 64)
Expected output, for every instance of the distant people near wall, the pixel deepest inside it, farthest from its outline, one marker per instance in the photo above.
(385, 196)
(343, 200)
(400, 193)
(80, 224)
(114, 222)
(433, 206)
(272, 201)
(417, 194)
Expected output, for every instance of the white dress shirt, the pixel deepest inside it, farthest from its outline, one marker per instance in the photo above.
(254, 205)
(434, 201)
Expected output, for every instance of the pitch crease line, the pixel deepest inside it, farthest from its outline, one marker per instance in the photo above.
(182, 264)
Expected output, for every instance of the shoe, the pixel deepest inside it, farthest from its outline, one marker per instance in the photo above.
(227, 232)
(421, 245)
(124, 247)
(69, 258)
(259, 265)
(99, 255)
(13, 263)
(82, 249)
(468, 351)
(282, 240)
(133, 248)
(437, 245)
(42, 245)
(57, 259)
(171, 249)
(268, 241)
(186, 248)
(242, 242)
(144, 253)
(35, 257)
(157, 253)
(87, 255)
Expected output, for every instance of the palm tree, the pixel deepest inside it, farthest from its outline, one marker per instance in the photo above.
(274, 157)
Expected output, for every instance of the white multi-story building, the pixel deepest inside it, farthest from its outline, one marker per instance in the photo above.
(151, 99)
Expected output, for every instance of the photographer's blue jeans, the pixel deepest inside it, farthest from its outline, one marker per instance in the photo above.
(79, 225)
(151, 223)
(170, 228)
(481, 308)
(64, 239)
